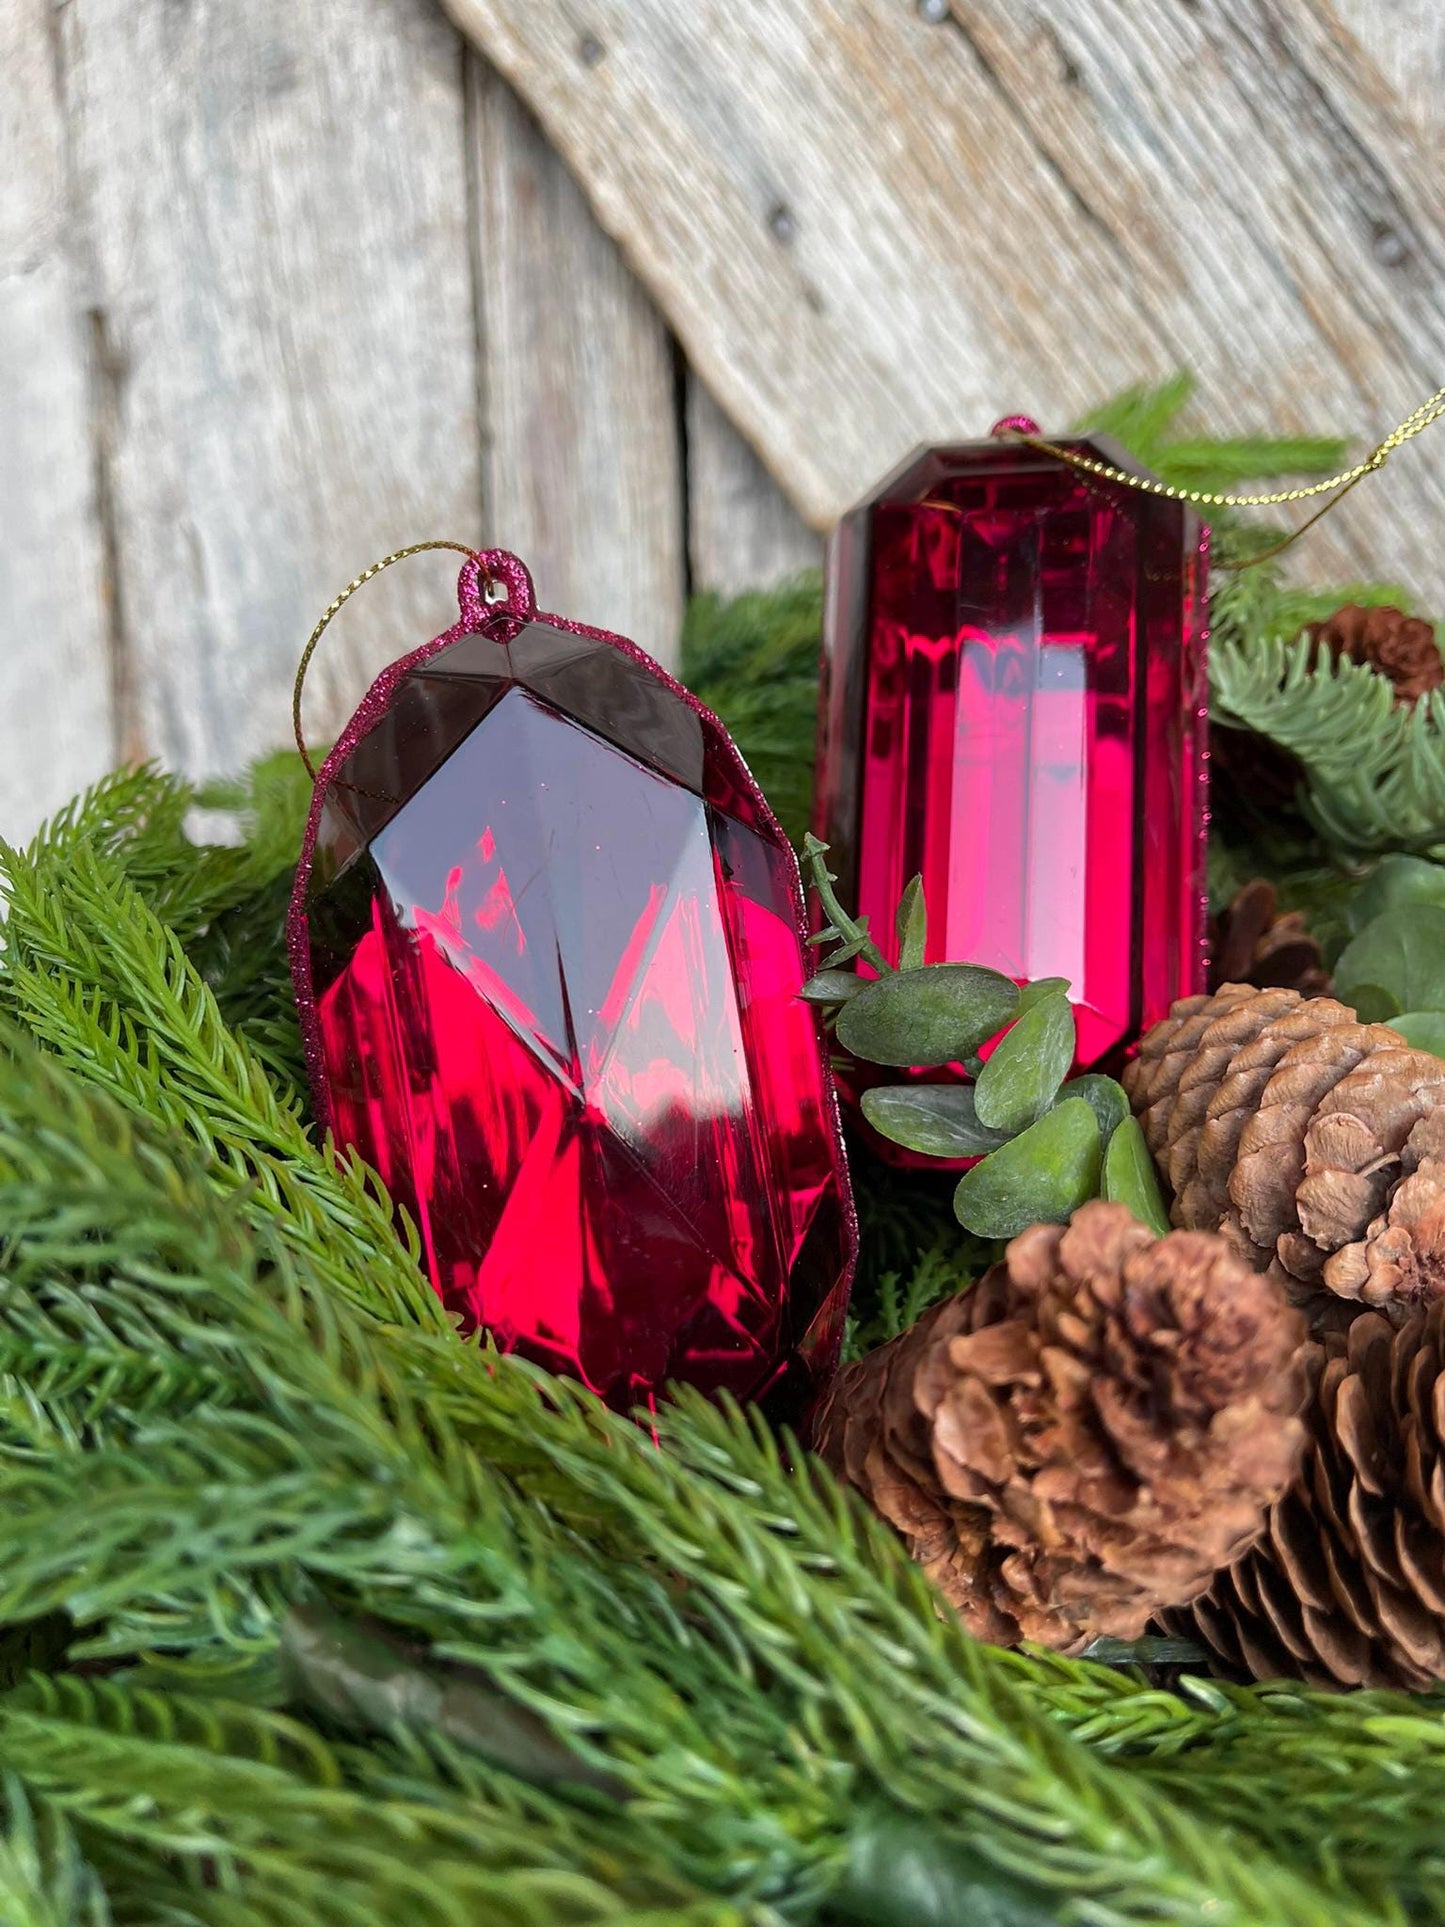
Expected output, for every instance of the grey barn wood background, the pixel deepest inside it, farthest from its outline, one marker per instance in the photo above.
(284, 286)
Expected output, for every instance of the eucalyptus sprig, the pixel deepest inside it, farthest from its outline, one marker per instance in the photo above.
(1041, 1142)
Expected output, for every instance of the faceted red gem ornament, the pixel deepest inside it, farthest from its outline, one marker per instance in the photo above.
(1015, 709)
(546, 943)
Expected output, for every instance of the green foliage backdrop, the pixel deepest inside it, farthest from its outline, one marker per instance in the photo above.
(312, 1612)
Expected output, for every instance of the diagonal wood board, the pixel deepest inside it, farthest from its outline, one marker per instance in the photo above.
(869, 228)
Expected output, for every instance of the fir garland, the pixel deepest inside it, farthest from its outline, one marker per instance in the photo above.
(229, 1401)
(311, 1611)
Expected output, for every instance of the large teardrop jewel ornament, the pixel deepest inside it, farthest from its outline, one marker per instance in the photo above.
(546, 943)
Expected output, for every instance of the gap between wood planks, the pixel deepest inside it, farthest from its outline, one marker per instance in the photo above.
(281, 297)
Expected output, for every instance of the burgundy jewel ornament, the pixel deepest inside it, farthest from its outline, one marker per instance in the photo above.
(545, 936)
(1014, 707)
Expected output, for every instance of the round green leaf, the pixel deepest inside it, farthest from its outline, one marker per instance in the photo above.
(903, 1872)
(1107, 1098)
(936, 1119)
(935, 1015)
(1373, 1005)
(911, 926)
(832, 986)
(1041, 987)
(1425, 1029)
(1130, 1178)
(1399, 957)
(1396, 882)
(1022, 1078)
(1040, 1177)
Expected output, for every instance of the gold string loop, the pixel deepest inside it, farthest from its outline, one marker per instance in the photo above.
(1429, 411)
(357, 582)
(1335, 486)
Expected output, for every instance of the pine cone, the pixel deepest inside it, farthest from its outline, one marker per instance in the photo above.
(1401, 647)
(1347, 1585)
(1307, 1139)
(1254, 942)
(1092, 1431)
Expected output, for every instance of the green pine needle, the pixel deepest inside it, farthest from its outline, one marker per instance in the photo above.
(1373, 773)
(755, 662)
(1142, 421)
(226, 1394)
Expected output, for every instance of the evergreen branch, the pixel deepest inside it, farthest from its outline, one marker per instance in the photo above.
(270, 804)
(45, 1880)
(226, 905)
(1362, 1771)
(244, 961)
(1142, 419)
(96, 977)
(754, 661)
(946, 1267)
(137, 818)
(1218, 467)
(755, 1660)
(1374, 773)
(260, 1804)
(809, 1662)
(1365, 1774)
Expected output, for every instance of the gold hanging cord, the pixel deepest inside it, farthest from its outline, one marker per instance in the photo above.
(357, 582)
(1335, 486)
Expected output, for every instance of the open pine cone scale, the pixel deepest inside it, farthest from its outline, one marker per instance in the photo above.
(1253, 941)
(1346, 1587)
(1314, 1143)
(1087, 1435)
(1401, 647)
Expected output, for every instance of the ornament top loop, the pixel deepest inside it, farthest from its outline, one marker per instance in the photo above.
(337, 602)
(494, 582)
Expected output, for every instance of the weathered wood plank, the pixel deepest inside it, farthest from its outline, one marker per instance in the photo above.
(1406, 41)
(277, 206)
(743, 532)
(55, 696)
(868, 230)
(579, 391)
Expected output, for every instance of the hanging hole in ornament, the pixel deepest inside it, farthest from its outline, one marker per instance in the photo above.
(494, 583)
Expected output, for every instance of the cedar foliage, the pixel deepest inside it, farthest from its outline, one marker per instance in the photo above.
(226, 1394)
(230, 1406)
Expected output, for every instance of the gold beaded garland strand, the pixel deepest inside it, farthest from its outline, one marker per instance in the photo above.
(1335, 486)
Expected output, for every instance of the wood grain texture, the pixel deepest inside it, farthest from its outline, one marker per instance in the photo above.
(583, 466)
(1406, 41)
(869, 231)
(743, 532)
(275, 200)
(55, 695)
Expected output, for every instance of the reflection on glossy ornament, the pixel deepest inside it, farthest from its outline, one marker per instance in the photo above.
(546, 941)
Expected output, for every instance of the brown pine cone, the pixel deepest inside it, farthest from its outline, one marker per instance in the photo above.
(1401, 1258)
(1302, 1136)
(1401, 647)
(1092, 1431)
(1347, 1585)
(1253, 941)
